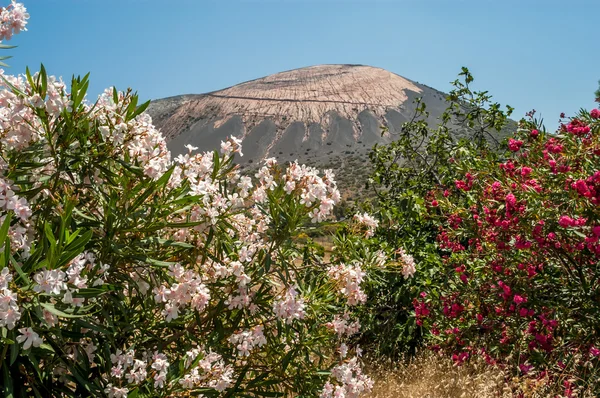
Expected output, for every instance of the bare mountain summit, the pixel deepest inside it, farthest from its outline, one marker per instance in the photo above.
(326, 115)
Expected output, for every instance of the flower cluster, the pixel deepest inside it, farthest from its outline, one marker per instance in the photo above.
(246, 340)
(408, 263)
(343, 326)
(210, 371)
(56, 281)
(13, 20)
(529, 224)
(9, 309)
(188, 289)
(290, 307)
(368, 222)
(348, 278)
(351, 382)
(182, 267)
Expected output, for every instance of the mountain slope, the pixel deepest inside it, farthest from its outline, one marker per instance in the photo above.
(325, 115)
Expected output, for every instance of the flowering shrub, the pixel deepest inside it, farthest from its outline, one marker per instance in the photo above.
(405, 172)
(126, 273)
(521, 237)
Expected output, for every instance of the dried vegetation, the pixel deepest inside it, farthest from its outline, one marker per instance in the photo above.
(432, 376)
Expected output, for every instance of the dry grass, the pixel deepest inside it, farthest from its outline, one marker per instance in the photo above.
(432, 376)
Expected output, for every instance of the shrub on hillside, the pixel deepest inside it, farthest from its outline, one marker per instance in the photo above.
(521, 239)
(405, 172)
(124, 272)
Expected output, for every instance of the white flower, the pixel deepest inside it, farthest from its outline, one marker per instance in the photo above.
(50, 318)
(290, 307)
(50, 281)
(368, 221)
(190, 148)
(9, 317)
(5, 277)
(408, 263)
(116, 392)
(343, 350)
(29, 337)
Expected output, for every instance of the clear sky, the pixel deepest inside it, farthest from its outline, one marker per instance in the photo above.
(526, 53)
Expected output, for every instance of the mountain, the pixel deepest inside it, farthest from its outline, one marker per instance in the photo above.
(326, 116)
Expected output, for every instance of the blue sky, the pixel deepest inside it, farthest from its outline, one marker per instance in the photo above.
(526, 53)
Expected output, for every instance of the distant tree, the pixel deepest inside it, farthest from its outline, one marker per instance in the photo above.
(597, 93)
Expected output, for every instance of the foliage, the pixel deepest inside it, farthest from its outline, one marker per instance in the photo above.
(127, 273)
(521, 236)
(406, 172)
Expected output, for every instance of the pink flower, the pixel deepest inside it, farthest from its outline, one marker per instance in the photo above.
(519, 300)
(511, 201)
(514, 145)
(594, 351)
(29, 338)
(595, 113)
(526, 171)
(523, 312)
(534, 133)
(565, 221)
(460, 184)
(577, 127)
(525, 368)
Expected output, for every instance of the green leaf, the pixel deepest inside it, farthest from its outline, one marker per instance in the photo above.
(8, 386)
(14, 353)
(44, 81)
(49, 235)
(140, 109)
(5, 227)
(133, 393)
(58, 312)
(79, 243)
(17, 267)
(46, 347)
(158, 262)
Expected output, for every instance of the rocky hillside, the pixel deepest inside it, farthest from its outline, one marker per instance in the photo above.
(327, 116)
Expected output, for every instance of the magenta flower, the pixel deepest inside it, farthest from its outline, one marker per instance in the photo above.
(514, 145)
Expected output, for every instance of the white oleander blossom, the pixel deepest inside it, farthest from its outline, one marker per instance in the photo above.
(408, 263)
(347, 381)
(246, 341)
(348, 279)
(290, 307)
(210, 371)
(343, 326)
(13, 20)
(318, 193)
(29, 338)
(161, 367)
(50, 282)
(187, 290)
(116, 392)
(368, 221)
(9, 308)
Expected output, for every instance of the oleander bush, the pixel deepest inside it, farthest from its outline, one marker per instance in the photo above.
(127, 273)
(520, 235)
(406, 172)
(505, 235)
